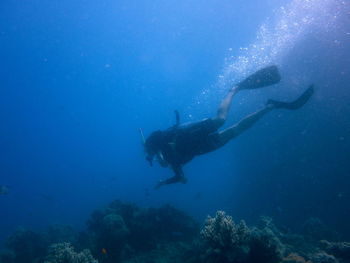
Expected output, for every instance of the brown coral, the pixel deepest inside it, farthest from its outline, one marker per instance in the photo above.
(294, 258)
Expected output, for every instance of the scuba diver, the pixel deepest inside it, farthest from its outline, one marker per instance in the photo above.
(179, 144)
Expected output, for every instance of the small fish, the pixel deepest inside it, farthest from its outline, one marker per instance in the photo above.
(104, 251)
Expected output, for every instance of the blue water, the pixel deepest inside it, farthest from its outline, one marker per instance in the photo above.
(79, 78)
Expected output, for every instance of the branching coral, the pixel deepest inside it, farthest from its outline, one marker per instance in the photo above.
(64, 253)
(220, 232)
(225, 240)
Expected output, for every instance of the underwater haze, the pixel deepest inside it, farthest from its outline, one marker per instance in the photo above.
(80, 78)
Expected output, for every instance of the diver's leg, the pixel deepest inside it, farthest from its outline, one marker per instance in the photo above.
(235, 130)
(216, 140)
(262, 78)
(225, 105)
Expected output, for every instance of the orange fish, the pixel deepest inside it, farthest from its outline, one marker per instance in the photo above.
(104, 251)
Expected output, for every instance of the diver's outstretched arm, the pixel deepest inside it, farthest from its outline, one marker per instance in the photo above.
(177, 178)
(235, 130)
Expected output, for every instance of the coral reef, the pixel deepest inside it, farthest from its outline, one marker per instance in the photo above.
(294, 258)
(60, 233)
(338, 249)
(124, 229)
(265, 246)
(226, 241)
(126, 233)
(109, 235)
(323, 257)
(220, 232)
(315, 229)
(26, 246)
(64, 253)
(7, 256)
(168, 252)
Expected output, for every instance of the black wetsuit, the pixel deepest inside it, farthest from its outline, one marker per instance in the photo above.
(182, 143)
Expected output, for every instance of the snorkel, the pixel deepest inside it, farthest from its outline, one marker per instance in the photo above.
(142, 137)
(149, 157)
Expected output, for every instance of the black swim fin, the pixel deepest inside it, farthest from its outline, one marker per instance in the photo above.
(262, 78)
(298, 103)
